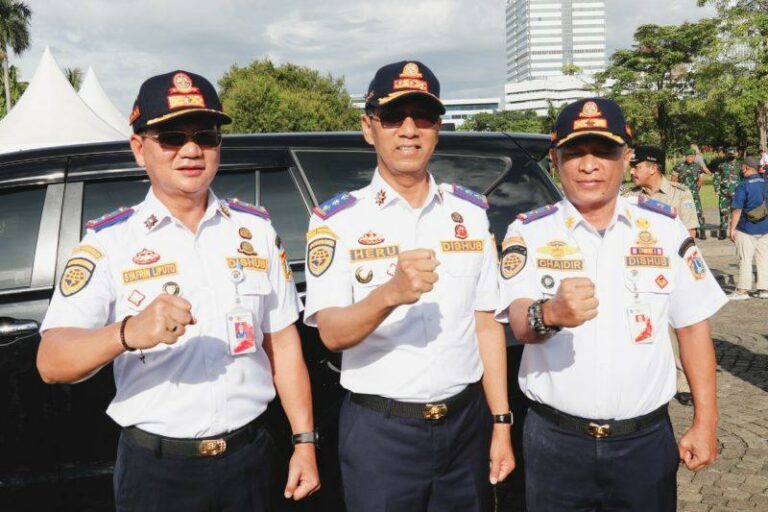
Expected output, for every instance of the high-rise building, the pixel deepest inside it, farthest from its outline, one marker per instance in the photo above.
(545, 35)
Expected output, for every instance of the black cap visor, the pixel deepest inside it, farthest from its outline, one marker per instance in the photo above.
(399, 96)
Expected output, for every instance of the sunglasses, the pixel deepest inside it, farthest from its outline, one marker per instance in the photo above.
(396, 118)
(204, 138)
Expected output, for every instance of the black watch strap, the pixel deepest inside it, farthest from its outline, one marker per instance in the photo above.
(305, 437)
(503, 418)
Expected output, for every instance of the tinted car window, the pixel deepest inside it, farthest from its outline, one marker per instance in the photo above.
(20, 214)
(475, 172)
(331, 172)
(289, 215)
(102, 197)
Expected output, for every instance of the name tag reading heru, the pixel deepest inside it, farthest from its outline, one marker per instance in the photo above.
(374, 253)
(461, 245)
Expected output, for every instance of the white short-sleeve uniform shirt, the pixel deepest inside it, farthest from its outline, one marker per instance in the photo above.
(421, 352)
(194, 388)
(647, 272)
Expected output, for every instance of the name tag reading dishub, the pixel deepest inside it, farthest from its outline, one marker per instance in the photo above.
(640, 323)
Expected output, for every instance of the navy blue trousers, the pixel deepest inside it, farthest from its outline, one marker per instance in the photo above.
(570, 471)
(233, 482)
(392, 464)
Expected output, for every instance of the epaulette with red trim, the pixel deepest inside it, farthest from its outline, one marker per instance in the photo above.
(241, 206)
(538, 213)
(656, 206)
(334, 205)
(109, 219)
(468, 194)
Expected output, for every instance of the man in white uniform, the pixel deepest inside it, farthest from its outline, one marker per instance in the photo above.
(191, 299)
(401, 278)
(590, 285)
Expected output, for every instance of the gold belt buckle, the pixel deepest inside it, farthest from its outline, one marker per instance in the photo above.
(212, 447)
(599, 431)
(435, 411)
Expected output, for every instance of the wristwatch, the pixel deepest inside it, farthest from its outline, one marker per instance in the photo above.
(504, 418)
(306, 437)
(536, 320)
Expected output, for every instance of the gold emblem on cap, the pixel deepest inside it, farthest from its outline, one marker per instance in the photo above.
(182, 82)
(245, 233)
(411, 70)
(590, 109)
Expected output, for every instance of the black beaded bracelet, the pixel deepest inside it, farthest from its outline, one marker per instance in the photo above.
(503, 418)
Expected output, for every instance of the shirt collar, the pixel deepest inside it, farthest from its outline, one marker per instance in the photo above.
(382, 193)
(572, 218)
(154, 213)
(664, 186)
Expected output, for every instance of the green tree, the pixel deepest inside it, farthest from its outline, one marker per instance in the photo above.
(14, 35)
(570, 69)
(659, 71)
(262, 97)
(744, 25)
(16, 87)
(74, 77)
(504, 121)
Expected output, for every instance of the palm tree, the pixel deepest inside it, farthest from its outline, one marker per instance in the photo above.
(14, 34)
(74, 77)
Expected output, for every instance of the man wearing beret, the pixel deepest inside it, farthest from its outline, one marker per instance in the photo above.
(689, 173)
(186, 296)
(589, 285)
(401, 278)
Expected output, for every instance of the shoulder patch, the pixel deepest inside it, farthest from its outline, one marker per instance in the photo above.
(470, 195)
(109, 219)
(657, 206)
(77, 274)
(242, 206)
(334, 205)
(538, 213)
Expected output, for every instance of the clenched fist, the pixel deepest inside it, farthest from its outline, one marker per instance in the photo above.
(163, 321)
(415, 275)
(573, 304)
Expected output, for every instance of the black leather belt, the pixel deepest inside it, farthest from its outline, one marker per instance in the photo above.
(176, 448)
(599, 429)
(429, 411)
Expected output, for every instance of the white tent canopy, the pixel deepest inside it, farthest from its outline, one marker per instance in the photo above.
(50, 113)
(95, 97)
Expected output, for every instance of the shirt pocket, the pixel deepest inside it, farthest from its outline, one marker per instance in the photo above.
(253, 292)
(459, 274)
(648, 283)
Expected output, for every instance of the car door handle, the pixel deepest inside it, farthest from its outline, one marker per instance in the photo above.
(12, 328)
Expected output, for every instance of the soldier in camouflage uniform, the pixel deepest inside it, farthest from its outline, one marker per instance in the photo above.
(724, 182)
(689, 174)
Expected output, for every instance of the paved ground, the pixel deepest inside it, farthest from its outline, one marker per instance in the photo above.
(738, 481)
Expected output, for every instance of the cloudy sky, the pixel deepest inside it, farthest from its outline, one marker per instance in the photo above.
(127, 41)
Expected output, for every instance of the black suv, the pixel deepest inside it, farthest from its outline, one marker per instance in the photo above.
(57, 445)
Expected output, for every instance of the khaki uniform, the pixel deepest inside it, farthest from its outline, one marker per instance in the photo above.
(674, 194)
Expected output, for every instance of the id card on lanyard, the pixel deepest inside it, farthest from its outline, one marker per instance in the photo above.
(639, 315)
(241, 333)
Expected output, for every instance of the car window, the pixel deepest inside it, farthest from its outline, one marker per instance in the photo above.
(103, 197)
(331, 172)
(523, 188)
(472, 171)
(20, 213)
(279, 195)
